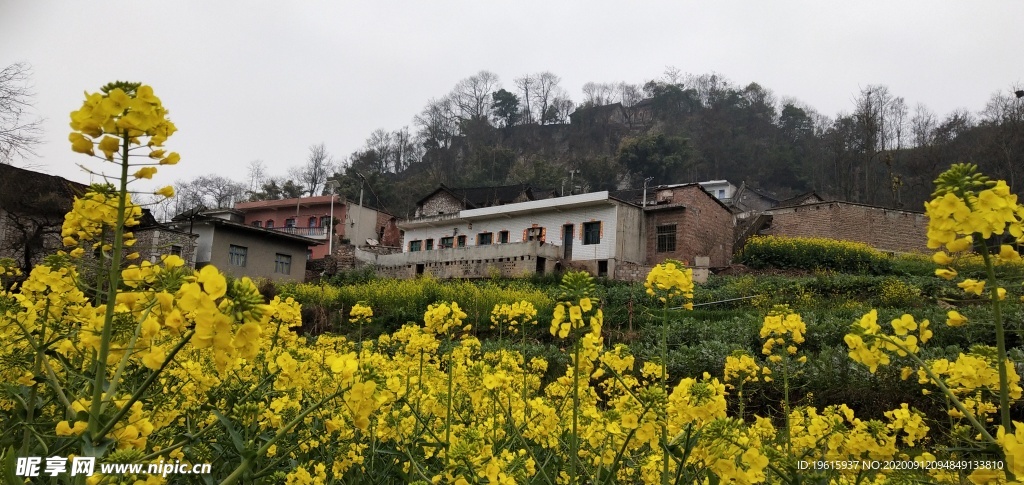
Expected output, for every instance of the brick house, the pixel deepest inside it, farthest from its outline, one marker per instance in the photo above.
(310, 217)
(684, 222)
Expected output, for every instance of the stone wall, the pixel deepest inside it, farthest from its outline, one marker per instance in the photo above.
(885, 229)
(151, 243)
(441, 203)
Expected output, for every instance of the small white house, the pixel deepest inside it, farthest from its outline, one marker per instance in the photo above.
(721, 189)
(593, 231)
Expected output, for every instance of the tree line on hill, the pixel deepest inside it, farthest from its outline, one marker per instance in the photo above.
(673, 129)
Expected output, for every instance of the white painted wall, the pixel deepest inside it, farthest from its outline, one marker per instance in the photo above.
(714, 186)
(553, 219)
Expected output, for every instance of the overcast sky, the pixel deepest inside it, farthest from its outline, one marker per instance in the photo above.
(266, 79)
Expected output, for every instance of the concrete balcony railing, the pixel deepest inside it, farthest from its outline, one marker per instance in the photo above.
(310, 232)
(488, 252)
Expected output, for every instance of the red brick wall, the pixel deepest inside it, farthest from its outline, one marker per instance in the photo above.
(703, 227)
(392, 235)
(885, 229)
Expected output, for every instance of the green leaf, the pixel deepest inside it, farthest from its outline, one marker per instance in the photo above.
(236, 438)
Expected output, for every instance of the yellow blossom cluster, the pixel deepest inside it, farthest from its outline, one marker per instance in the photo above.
(94, 217)
(740, 368)
(953, 217)
(125, 112)
(782, 329)
(570, 316)
(870, 346)
(444, 318)
(973, 378)
(513, 316)
(670, 281)
(360, 314)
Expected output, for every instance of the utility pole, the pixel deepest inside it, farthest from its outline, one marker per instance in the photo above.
(643, 203)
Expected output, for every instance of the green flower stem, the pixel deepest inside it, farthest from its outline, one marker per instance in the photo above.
(37, 367)
(448, 415)
(664, 387)
(145, 384)
(113, 281)
(287, 428)
(997, 315)
(574, 441)
(785, 402)
(948, 393)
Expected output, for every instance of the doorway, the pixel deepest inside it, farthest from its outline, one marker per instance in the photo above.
(567, 242)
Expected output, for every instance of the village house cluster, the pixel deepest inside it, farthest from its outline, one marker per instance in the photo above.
(510, 231)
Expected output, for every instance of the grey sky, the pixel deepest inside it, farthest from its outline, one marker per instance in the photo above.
(266, 79)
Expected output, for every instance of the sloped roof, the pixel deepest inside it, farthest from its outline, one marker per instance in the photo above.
(761, 192)
(476, 197)
(807, 197)
(27, 192)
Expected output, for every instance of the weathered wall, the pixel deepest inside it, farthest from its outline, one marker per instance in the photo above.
(260, 257)
(507, 260)
(441, 203)
(389, 224)
(151, 243)
(703, 227)
(885, 229)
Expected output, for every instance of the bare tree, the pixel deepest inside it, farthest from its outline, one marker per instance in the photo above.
(629, 94)
(220, 191)
(1004, 118)
(472, 96)
(527, 86)
(437, 123)
(18, 136)
(598, 94)
(319, 165)
(545, 90)
(257, 175)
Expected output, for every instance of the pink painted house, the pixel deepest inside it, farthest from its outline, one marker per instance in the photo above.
(311, 217)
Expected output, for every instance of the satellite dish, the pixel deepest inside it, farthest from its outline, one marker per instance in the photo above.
(372, 242)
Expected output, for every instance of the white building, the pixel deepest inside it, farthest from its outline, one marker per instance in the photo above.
(721, 189)
(591, 231)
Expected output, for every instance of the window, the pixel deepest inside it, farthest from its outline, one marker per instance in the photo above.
(461, 241)
(446, 242)
(484, 238)
(309, 254)
(270, 224)
(721, 193)
(175, 250)
(283, 263)
(430, 244)
(312, 222)
(591, 232)
(237, 254)
(289, 222)
(503, 237)
(535, 234)
(415, 246)
(325, 221)
(257, 223)
(666, 238)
